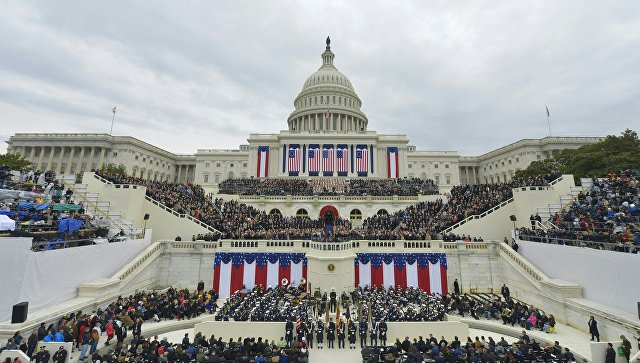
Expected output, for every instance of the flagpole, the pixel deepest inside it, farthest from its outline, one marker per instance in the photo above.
(112, 119)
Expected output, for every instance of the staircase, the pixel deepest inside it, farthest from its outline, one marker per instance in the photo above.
(565, 201)
(97, 208)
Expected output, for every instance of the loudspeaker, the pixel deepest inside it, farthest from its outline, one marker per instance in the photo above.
(19, 314)
(513, 218)
(638, 310)
(146, 216)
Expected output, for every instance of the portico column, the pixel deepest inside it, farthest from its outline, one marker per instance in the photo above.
(90, 162)
(70, 162)
(80, 160)
(32, 154)
(40, 158)
(50, 160)
(101, 159)
(59, 164)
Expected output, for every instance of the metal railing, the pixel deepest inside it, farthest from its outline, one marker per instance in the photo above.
(94, 207)
(606, 246)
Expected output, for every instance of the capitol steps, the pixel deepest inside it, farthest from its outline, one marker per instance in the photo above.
(97, 208)
(566, 200)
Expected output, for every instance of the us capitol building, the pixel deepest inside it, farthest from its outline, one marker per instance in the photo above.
(327, 136)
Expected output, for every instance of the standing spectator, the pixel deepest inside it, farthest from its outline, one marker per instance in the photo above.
(110, 332)
(86, 342)
(505, 292)
(626, 347)
(456, 287)
(593, 328)
(32, 342)
(610, 356)
(137, 328)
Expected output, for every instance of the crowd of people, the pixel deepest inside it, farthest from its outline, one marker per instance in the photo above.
(328, 186)
(35, 204)
(626, 243)
(237, 220)
(607, 212)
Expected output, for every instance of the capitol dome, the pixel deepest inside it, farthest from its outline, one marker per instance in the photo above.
(327, 102)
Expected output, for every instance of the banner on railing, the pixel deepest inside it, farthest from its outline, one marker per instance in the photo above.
(427, 271)
(233, 272)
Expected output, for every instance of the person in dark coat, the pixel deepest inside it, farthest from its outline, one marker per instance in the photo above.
(456, 287)
(352, 335)
(362, 330)
(610, 356)
(60, 356)
(505, 292)
(331, 334)
(320, 333)
(382, 332)
(593, 328)
(341, 336)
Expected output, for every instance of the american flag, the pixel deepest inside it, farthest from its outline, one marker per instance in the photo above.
(362, 160)
(294, 159)
(314, 160)
(342, 160)
(327, 160)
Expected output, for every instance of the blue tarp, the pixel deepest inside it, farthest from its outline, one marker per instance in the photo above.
(29, 205)
(69, 225)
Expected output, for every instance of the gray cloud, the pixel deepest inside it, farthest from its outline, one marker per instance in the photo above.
(452, 76)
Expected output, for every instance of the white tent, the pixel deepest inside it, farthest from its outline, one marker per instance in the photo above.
(6, 223)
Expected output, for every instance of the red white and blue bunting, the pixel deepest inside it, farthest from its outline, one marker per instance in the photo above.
(427, 271)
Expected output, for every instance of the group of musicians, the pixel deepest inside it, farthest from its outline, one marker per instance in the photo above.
(306, 333)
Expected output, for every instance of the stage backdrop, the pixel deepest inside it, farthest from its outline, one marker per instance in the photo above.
(427, 271)
(232, 271)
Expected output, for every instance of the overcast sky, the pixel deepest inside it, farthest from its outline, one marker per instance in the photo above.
(452, 75)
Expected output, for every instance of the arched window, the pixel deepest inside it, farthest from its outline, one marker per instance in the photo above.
(355, 215)
(382, 212)
(230, 175)
(275, 211)
(302, 213)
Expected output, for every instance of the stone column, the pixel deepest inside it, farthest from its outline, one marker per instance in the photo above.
(90, 162)
(59, 163)
(101, 159)
(70, 162)
(40, 158)
(80, 160)
(50, 160)
(32, 153)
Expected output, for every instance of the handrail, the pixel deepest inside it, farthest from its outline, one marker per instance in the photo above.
(531, 270)
(607, 246)
(477, 216)
(96, 208)
(182, 215)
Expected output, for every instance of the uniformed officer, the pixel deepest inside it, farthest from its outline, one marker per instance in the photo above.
(363, 328)
(288, 335)
(319, 333)
(333, 300)
(341, 336)
(331, 333)
(382, 329)
(309, 333)
(301, 331)
(352, 335)
(373, 332)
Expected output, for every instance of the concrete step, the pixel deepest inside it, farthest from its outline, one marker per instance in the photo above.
(114, 214)
(555, 205)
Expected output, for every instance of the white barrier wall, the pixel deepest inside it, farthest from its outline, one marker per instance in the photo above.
(44, 279)
(273, 331)
(609, 278)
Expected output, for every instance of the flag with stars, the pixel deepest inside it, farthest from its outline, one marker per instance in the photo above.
(233, 272)
(427, 271)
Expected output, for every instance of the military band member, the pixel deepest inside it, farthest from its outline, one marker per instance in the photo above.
(382, 332)
(331, 333)
(309, 333)
(319, 333)
(373, 332)
(333, 300)
(363, 329)
(341, 336)
(352, 335)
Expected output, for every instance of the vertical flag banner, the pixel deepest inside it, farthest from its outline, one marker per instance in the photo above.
(284, 157)
(314, 160)
(362, 160)
(233, 272)
(393, 170)
(427, 271)
(327, 160)
(263, 162)
(294, 159)
(342, 160)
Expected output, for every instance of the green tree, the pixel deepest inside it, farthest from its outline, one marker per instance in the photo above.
(114, 169)
(15, 162)
(611, 155)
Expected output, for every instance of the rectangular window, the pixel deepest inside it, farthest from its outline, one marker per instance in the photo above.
(207, 165)
(206, 178)
(217, 165)
(217, 178)
(448, 180)
(446, 166)
(437, 179)
(115, 154)
(436, 166)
